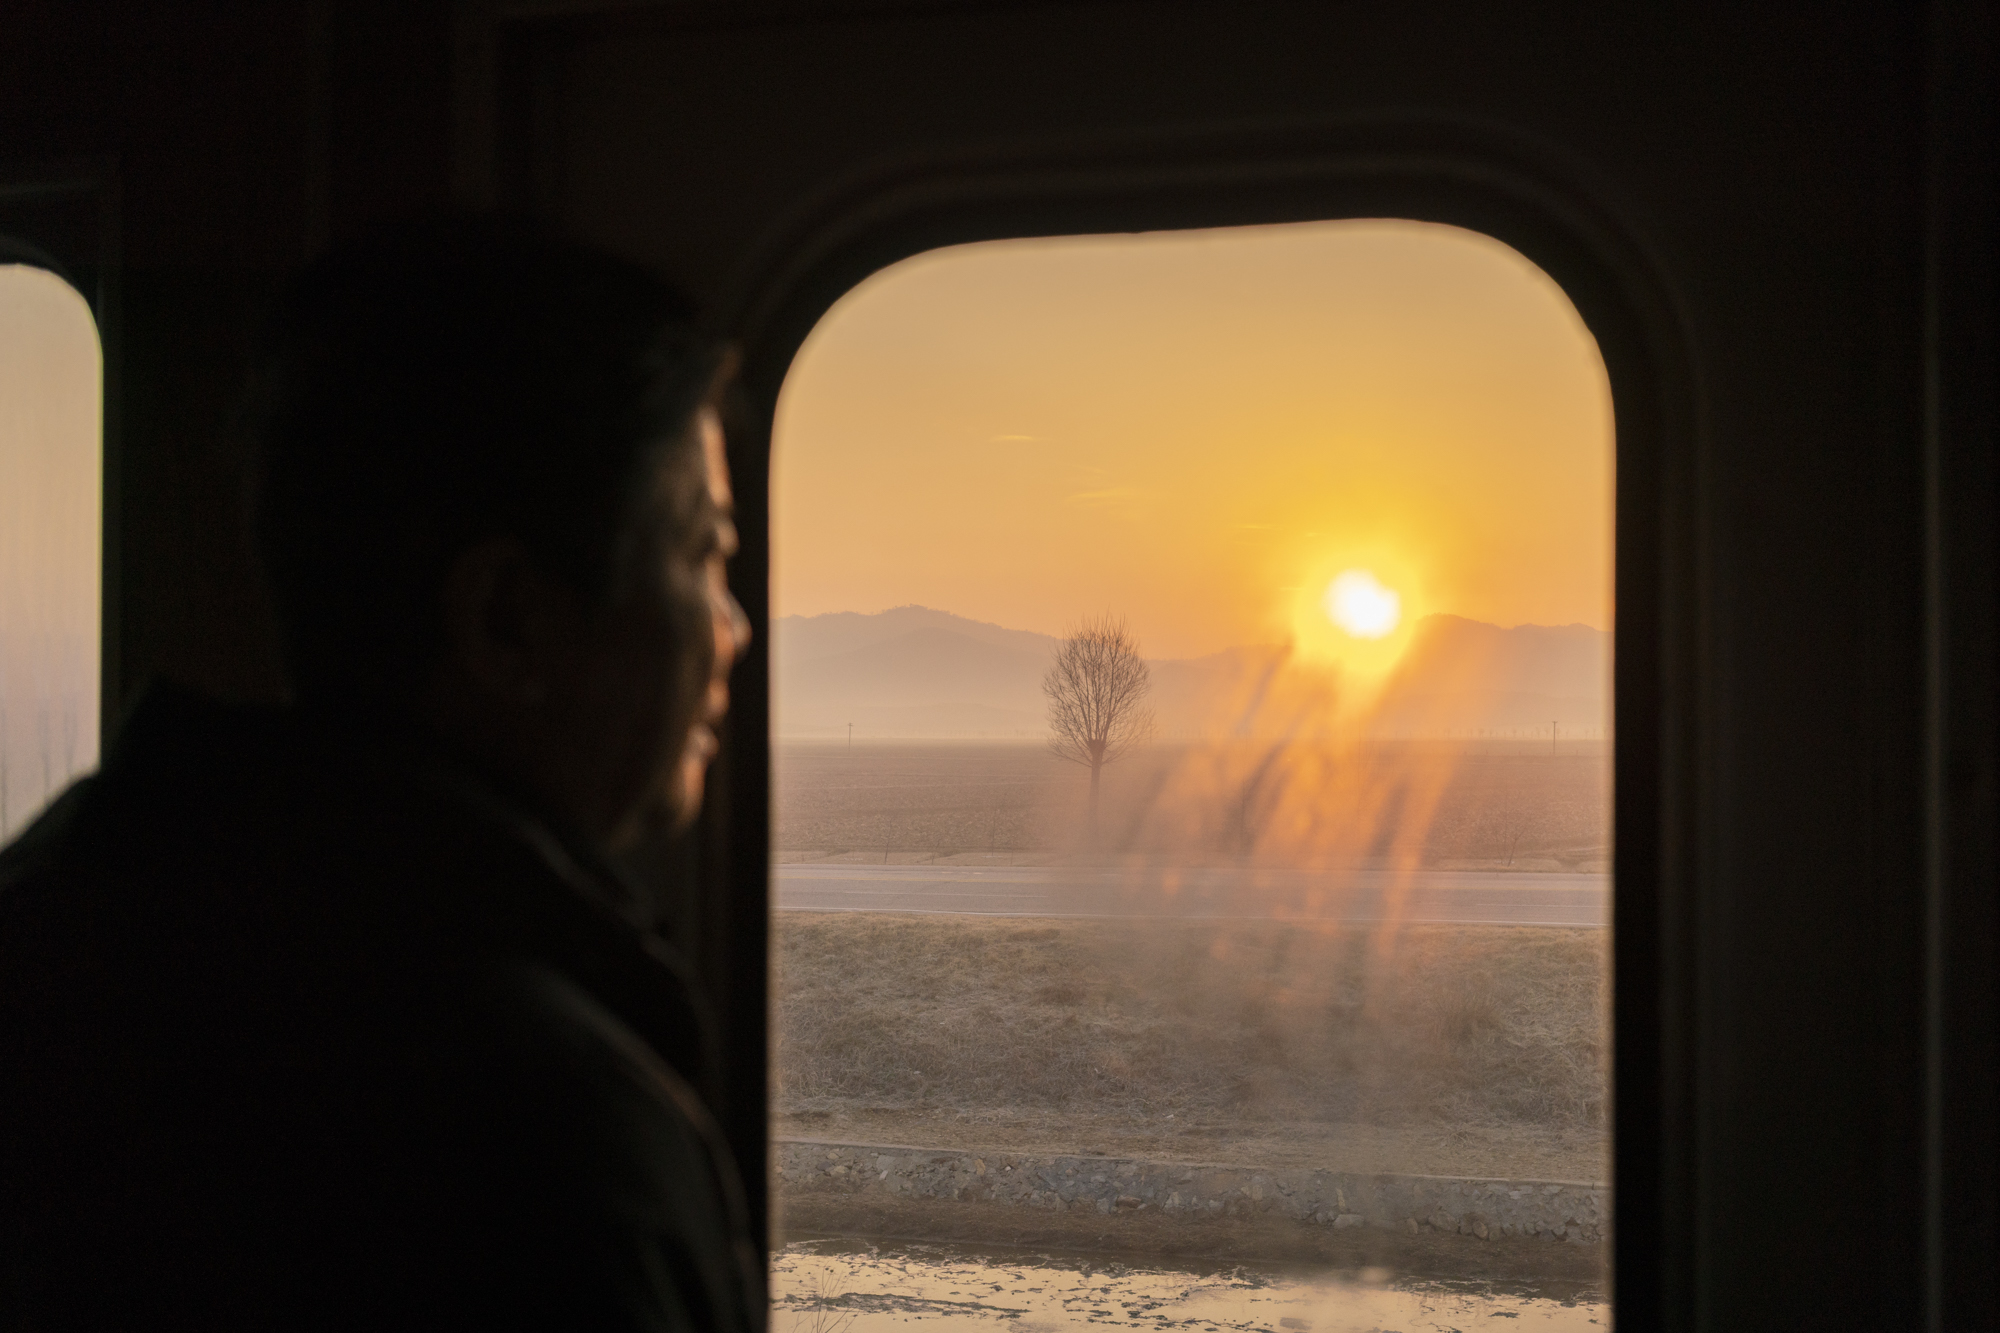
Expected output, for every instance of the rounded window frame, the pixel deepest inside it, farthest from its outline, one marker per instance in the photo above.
(1557, 216)
(18, 253)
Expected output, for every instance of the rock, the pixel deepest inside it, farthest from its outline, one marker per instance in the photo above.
(1410, 1225)
(1128, 1202)
(1348, 1221)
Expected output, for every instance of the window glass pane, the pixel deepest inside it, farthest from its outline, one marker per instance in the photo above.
(1192, 699)
(51, 535)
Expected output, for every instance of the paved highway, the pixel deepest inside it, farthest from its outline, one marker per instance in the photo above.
(1462, 897)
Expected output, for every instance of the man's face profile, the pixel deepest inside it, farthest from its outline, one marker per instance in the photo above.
(698, 577)
(667, 643)
(606, 711)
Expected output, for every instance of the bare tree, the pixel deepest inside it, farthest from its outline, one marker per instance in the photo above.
(1096, 689)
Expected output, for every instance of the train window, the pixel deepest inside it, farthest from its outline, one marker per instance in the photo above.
(1191, 659)
(51, 529)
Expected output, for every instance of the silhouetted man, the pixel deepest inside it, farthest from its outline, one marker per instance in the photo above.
(337, 1017)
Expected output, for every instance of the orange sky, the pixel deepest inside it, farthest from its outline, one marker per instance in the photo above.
(1199, 430)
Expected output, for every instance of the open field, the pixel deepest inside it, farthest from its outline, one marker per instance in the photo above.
(1477, 1051)
(1352, 894)
(1568, 1272)
(1493, 806)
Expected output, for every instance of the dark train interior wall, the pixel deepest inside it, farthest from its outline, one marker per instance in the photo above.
(1777, 219)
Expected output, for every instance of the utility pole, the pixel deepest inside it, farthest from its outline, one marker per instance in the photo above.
(1552, 740)
(850, 735)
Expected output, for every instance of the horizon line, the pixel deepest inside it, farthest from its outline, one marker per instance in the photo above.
(1010, 629)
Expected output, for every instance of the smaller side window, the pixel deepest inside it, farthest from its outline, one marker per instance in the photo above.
(51, 539)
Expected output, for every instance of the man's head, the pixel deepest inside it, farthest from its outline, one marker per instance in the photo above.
(493, 505)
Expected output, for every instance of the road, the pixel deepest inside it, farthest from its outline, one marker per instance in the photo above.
(1461, 897)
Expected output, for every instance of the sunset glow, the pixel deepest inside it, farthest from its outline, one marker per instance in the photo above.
(1203, 431)
(1346, 490)
(1357, 602)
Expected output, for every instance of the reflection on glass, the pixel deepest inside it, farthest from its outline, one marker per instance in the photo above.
(1296, 543)
(51, 531)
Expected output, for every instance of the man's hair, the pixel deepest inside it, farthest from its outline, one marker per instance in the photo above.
(442, 384)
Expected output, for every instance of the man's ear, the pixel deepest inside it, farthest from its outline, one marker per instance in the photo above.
(505, 623)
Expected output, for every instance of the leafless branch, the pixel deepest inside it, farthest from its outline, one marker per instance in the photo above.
(1096, 689)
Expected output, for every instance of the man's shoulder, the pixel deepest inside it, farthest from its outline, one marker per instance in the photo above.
(382, 1025)
(187, 776)
(35, 852)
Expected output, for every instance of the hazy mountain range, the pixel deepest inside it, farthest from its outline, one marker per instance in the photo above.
(914, 671)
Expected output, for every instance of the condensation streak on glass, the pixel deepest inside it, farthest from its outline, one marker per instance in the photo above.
(51, 537)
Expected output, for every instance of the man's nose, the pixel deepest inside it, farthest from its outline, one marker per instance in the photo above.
(739, 627)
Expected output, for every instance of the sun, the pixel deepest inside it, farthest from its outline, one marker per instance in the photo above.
(1358, 603)
(1354, 611)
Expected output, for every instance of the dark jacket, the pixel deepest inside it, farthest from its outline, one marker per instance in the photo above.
(298, 1032)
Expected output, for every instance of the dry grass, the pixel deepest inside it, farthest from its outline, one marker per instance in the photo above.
(1193, 1023)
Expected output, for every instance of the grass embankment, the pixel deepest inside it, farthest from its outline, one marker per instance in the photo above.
(1447, 1050)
